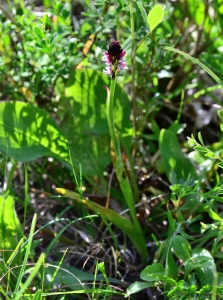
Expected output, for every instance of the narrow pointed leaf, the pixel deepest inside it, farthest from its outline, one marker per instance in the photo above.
(112, 216)
(214, 216)
(200, 138)
(196, 61)
(143, 12)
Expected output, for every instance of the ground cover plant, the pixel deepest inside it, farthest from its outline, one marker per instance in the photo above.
(111, 149)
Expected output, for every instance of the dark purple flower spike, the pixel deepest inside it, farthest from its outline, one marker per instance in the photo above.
(114, 59)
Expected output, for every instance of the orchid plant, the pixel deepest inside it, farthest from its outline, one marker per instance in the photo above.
(114, 59)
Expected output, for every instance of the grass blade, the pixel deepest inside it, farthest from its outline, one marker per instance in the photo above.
(196, 61)
(127, 226)
(31, 277)
(21, 273)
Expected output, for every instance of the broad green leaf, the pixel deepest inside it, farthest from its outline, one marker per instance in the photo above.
(177, 166)
(10, 228)
(171, 266)
(111, 216)
(196, 61)
(138, 286)
(84, 122)
(155, 272)
(155, 16)
(28, 133)
(181, 247)
(206, 268)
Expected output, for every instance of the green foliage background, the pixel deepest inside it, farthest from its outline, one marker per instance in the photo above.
(53, 125)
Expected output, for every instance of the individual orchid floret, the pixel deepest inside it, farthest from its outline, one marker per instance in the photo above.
(114, 59)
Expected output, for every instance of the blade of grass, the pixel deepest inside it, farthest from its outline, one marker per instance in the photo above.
(48, 249)
(21, 273)
(27, 199)
(101, 267)
(38, 295)
(16, 249)
(43, 227)
(4, 293)
(127, 226)
(27, 283)
(56, 271)
(196, 61)
(94, 281)
(101, 291)
(111, 232)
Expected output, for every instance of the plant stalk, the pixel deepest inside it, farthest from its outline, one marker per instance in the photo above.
(118, 163)
(133, 98)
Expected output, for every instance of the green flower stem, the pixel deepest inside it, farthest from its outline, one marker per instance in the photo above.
(119, 167)
(133, 67)
(140, 43)
(133, 96)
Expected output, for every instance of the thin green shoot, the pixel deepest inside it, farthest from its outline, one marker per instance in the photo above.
(95, 279)
(5, 294)
(79, 186)
(196, 61)
(101, 268)
(55, 239)
(29, 244)
(101, 291)
(32, 275)
(15, 250)
(56, 271)
(43, 227)
(214, 287)
(26, 199)
(133, 66)
(110, 231)
(181, 107)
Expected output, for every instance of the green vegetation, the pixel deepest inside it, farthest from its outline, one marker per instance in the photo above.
(111, 182)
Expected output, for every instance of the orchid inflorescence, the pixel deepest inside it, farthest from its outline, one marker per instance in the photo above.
(114, 59)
